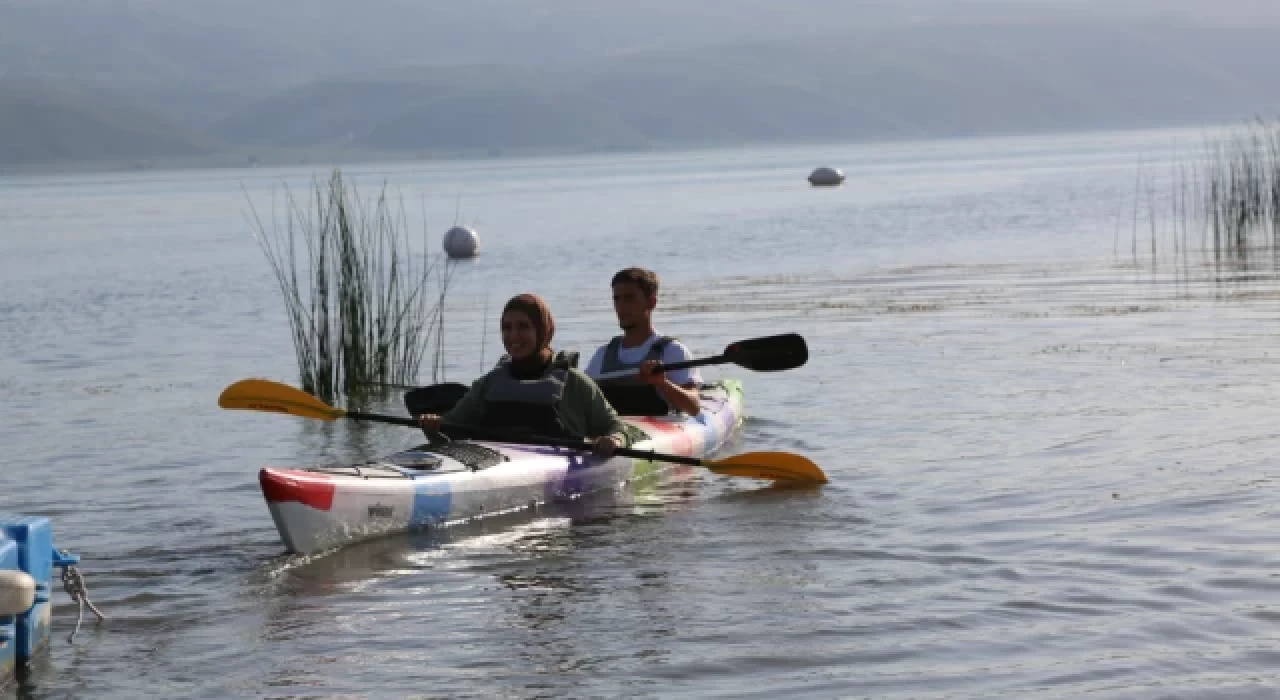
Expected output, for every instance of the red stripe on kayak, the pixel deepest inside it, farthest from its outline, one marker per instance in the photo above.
(279, 486)
(653, 425)
(677, 433)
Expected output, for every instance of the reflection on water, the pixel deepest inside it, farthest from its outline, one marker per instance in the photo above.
(518, 576)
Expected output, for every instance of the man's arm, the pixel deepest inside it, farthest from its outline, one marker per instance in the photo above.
(682, 398)
(681, 391)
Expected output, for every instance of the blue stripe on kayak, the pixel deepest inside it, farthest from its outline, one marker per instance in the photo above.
(714, 432)
(431, 502)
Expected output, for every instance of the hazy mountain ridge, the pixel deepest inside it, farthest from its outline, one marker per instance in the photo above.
(39, 124)
(921, 81)
(934, 71)
(255, 44)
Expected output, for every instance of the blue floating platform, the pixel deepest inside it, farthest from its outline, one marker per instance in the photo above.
(26, 544)
(8, 623)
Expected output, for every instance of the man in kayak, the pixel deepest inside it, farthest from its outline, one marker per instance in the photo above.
(640, 348)
(535, 390)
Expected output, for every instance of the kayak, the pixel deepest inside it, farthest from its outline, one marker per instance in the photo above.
(442, 484)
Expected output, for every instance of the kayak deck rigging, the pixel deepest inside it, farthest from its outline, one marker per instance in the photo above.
(428, 457)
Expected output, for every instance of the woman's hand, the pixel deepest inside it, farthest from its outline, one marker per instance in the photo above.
(604, 446)
(429, 422)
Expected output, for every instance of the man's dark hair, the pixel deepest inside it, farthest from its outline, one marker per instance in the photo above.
(646, 280)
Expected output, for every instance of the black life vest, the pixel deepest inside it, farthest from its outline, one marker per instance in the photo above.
(527, 405)
(628, 395)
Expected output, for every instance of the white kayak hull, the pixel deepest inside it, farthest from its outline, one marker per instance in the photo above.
(321, 508)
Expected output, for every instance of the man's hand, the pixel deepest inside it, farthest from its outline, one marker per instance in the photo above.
(649, 373)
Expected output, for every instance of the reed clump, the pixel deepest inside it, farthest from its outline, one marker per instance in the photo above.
(1241, 191)
(1230, 193)
(1217, 211)
(362, 309)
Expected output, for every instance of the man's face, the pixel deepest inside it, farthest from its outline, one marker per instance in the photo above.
(631, 305)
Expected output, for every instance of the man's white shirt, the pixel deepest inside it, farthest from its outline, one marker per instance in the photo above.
(674, 352)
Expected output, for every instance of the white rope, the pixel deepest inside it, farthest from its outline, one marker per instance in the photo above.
(73, 584)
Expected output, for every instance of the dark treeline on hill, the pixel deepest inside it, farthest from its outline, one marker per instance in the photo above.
(152, 87)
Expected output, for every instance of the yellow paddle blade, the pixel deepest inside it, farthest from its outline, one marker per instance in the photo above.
(773, 466)
(274, 397)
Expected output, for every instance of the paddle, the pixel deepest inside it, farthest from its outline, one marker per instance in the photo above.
(772, 353)
(437, 398)
(273, 397)
(769, 354)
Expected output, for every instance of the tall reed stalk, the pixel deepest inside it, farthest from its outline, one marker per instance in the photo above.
(361, 308)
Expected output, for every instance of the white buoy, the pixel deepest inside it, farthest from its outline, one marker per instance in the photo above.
(461, 242)
(17, 592)
(826, 177)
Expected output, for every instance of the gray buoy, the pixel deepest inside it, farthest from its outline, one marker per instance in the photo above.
(461, 242)
(826, 177)
(17, 592)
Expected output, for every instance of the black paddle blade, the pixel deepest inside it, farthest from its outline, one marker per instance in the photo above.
(436, 399)
(772, 354)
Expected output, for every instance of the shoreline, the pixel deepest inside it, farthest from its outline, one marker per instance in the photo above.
(241, 158)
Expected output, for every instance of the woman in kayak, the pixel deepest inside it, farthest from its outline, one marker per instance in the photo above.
(534, 390)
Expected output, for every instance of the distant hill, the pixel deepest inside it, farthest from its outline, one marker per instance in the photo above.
(236, 95)
(42, 124)
(949, 79)
(198, 62)
(445, 109)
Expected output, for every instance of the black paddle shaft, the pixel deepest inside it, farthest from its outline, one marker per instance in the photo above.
(467, 433)
(769, 354)
(566, 443)
(379, 418)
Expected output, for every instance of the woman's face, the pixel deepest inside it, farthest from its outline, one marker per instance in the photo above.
(519, 335)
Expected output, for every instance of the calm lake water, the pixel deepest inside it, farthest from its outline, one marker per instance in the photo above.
(1052, 456)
